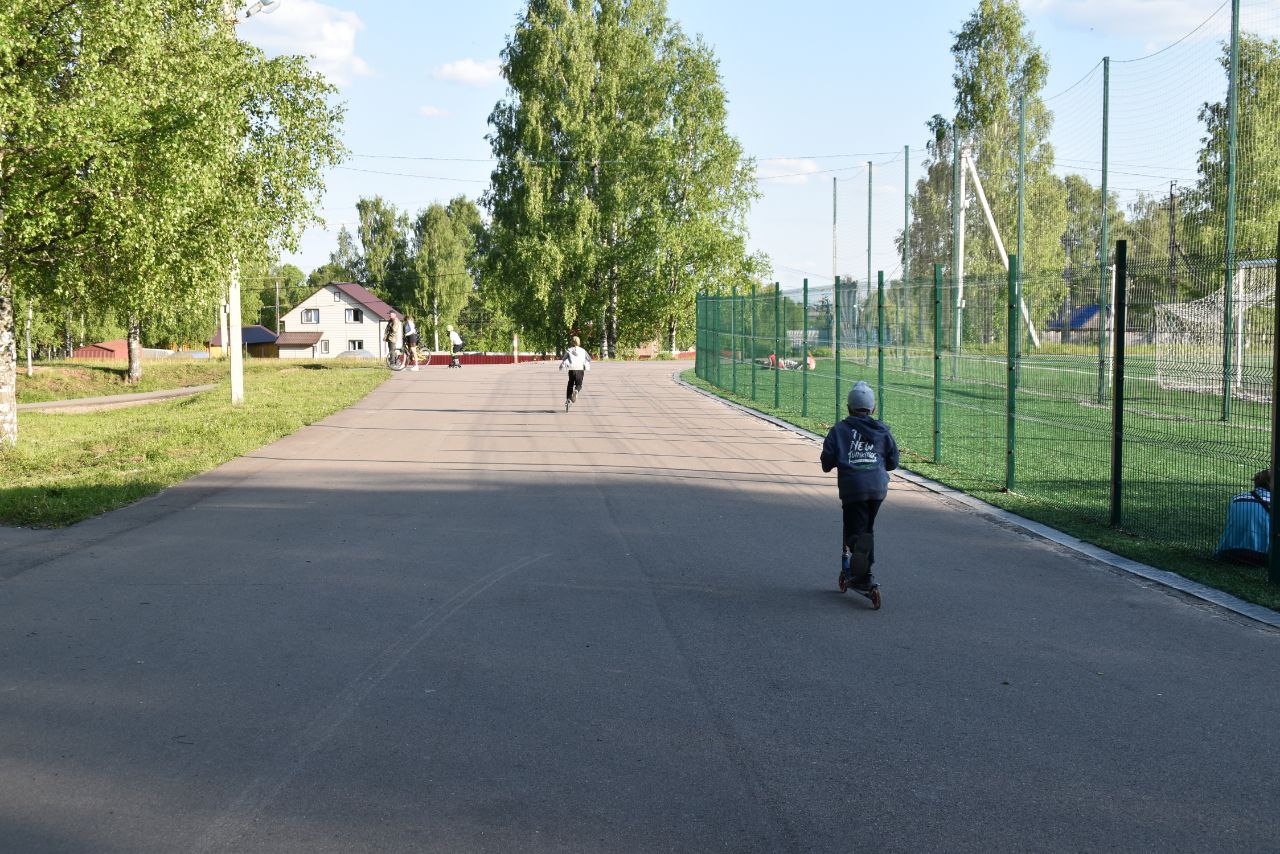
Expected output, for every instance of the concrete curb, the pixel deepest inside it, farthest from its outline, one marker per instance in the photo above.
(115, 401)
(1163, 577)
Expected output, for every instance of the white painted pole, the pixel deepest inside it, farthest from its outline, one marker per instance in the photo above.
(224, 327)
(964, 206)
(236, 338)
(31, 311)
(995, 234)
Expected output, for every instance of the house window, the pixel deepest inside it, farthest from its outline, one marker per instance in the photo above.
(311, 315)
(355, 315)
(337, 295)
(324, 346)
(355, 345)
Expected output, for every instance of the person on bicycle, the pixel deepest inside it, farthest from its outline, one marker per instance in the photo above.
(411, 340)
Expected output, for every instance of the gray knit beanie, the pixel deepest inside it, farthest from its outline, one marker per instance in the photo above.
(862, 397)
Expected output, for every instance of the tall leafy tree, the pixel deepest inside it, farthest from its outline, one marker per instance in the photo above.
(996, 62)
(443, 248)
(383, 242)
(705, 187)
(143, 151)
(605, 98)
(67, 105)
(1257, 159)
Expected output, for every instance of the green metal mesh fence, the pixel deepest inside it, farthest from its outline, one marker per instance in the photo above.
(1176, 154)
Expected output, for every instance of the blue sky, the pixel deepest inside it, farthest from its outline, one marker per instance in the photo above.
(815, 89)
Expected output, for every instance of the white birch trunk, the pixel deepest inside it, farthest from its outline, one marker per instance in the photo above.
(135, 349)
(8, 367)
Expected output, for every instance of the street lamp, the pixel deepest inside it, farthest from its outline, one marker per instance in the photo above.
(264, 6)
(233, 340)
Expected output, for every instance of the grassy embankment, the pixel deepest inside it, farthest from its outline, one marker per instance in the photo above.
(71, 380)
(69, 467)
(1179, 476)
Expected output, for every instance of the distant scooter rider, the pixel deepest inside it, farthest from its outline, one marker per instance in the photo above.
(578, 361)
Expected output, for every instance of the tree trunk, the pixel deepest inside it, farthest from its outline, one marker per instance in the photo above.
(135, 350)
(8, 367)
(67, 343)
(671, 333)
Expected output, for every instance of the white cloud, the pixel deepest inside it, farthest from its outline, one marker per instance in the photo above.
(470, 72)
(1154, 21)
(431, 112)
(315, 29)
(785, 171)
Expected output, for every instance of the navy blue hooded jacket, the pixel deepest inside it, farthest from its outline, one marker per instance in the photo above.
(863, 452)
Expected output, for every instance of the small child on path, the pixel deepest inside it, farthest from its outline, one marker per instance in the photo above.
(578, 361)
(863, 452)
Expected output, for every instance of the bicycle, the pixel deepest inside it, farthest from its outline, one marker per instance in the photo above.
(398, 359)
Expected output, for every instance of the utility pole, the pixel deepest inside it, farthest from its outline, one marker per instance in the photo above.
(433, 274)
(277, 281)
(1173, 245)
(869, 168)
(835, 272)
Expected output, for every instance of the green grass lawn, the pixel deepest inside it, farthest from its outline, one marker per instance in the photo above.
(69, 467)
(69, 380)
(1181, 466)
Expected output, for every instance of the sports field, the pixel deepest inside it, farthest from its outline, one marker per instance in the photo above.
(1182, 462)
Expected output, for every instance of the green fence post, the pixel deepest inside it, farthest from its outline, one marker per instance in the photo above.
(937, 363)
(804, 355)
(1117, 387)
(777, 345)
(1273, 568)
(835, 347)
(698, 336)
(1022, 172)
(957, 245)
(1228, 294)
(752, 348)
(880, 343)
(733, 336)
(1103, 248)
(1011, 379)
(906, 250)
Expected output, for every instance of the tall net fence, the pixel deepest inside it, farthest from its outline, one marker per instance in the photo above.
(1001, 383)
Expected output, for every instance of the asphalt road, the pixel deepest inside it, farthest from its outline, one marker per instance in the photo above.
(456, 618)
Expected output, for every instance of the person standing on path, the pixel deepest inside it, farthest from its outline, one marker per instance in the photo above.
(863, 452)
(411, 340)
(394, 335)
(578, 361)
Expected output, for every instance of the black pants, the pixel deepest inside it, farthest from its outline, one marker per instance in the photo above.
(860, 518)
(574, 386)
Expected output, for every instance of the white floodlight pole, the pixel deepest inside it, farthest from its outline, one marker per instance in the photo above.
(234, 339)
(995, 233)
(963, 209)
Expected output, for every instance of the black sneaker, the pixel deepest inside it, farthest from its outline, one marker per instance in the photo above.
(865, 584)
